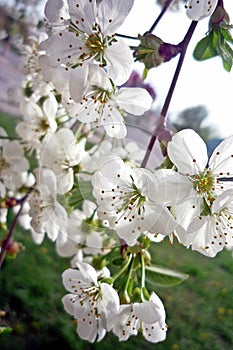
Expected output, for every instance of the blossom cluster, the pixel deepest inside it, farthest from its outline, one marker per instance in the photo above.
(77, 178)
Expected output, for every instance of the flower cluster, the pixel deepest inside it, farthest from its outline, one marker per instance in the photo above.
(74, 177)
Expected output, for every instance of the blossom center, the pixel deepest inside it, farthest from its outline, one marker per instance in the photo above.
(133, 199)
(95, 44)
(101, 95)
(204, 182)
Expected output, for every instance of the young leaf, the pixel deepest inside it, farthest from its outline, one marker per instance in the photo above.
(205, 49)
(227, 35)
(163, 277)
(226, 54)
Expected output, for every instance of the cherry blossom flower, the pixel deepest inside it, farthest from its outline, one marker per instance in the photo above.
(197, 10)
(90, 36)
(60, 154)
(90, 301)
(101, 103)
(81, 234)
(47, 214)
(198, 180)
(148, 316)
(13, 164)
(209, 234)
(38, 122)
(125, 197)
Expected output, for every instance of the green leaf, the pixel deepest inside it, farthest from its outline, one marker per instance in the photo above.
(226, 54)
(226, 35)
(205, 48)
(163, 277)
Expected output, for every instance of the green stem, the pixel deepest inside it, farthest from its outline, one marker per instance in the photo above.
(143, 278)
(119, 273)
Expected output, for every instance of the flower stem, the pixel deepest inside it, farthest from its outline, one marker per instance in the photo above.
(160, 16)
(126, 36)
(7, 241)
(183, 45)
(119, 273)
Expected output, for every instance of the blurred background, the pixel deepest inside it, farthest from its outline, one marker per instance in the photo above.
(200, 311)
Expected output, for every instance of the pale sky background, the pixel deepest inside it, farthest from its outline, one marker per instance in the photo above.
(200, 83)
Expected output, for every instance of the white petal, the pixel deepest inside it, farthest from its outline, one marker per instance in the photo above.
(146, 312)
(55, 9)
(188, 210)
(204, 237)
(134, 100)
(119, 62)
(68, 304)
(78, 82)
(87, 331)
(50, 106)
(221, 161)
(71, 277)
(154, 332)
(188, 152)
(172, 187)
(83, 15)
(89, 273)
(160, 220)
(197, 10)
(222, 201)
(112, 13)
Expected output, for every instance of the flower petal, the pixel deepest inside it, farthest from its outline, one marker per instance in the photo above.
(134, 100)
(221, 161)
(188, 152)
(120, 62)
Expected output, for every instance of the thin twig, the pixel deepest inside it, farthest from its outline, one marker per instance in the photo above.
(162, 118)
(7, 241)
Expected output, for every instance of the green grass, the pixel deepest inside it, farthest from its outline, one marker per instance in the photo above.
(199, 311)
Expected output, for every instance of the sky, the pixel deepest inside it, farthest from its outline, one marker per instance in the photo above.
(200, 83)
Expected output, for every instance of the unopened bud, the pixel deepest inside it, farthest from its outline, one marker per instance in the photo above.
(152, 51)
(220, 16)
(148, 50)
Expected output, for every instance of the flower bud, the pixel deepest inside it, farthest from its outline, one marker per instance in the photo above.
(219, 17)
(148, 50)
(152, 51)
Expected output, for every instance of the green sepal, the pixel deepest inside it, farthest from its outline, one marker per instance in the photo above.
(163, 277)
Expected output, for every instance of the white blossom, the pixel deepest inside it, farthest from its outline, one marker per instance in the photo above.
(38, 122)
(90, 35)
(198, 180)
(47, 214)
(124, 196)
(13, 164)
(148, 316)
(81, 234)
(60, 154)
(90, 301)
(99, 102)
(209, 234)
